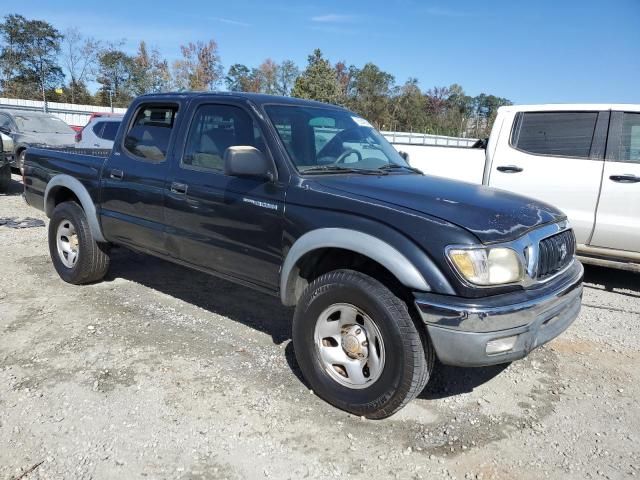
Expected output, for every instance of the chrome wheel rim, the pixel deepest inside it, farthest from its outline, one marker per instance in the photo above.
(349, 345)
(67, 243)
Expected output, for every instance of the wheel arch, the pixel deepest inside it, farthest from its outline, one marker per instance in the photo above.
(64, 187)
(360, 244)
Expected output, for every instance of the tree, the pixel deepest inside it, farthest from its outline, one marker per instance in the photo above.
(372, 89)
(268, 75)
(80, 57)
(200, 67)
(318, 81)
(115, 70)
(29, 57)
(409, 108)
(238, 78)
(485, 109)
(286, 78)
(150, 72)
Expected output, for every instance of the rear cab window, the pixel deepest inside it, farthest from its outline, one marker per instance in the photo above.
(559, 134)
(150, 132)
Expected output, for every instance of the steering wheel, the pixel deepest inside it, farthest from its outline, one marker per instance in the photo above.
(346, 153)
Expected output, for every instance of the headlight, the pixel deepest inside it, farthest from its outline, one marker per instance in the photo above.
(487, 266)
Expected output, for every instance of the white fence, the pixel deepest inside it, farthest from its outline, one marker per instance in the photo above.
(77, 115)
(408, 138)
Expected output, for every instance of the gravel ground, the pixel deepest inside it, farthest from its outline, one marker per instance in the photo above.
(162, 372)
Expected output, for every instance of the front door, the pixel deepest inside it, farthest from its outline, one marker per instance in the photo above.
(618, 216)
(133, 180)
(556, 157)
(229, 225)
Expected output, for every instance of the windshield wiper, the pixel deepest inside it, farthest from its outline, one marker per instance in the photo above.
(395, 166)
(339, 169)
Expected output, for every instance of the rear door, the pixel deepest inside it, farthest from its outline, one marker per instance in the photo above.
(133, 179)
(229, 225)
(618, 216)
(556, 157)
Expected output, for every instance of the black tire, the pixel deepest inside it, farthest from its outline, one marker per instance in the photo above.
(92, 261)
(409, 355)
(5, 178)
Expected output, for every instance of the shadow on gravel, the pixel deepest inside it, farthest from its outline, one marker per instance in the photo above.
(450, 381)
(611, 279)
(15, 188)
(241, 304)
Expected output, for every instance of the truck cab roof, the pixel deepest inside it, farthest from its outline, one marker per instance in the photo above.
(256, 98)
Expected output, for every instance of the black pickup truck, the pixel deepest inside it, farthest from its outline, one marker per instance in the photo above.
(387, 268)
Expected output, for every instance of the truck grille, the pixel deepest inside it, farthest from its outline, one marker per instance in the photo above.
(555, 253)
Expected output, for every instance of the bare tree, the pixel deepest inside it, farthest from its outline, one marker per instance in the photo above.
(200, 67)
(80, 56)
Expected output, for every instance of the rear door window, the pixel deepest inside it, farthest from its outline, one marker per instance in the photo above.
(97, 129)
(626, 147)
(110, 130)
(149, 134)
(562, 134)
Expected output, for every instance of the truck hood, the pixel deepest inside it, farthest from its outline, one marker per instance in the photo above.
(492, 215)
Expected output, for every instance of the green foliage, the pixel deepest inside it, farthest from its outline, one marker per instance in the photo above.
(370, 94)
(28, 57)
(318, 81)
(115, 72)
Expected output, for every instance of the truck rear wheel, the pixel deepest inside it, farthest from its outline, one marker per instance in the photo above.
(76, 256)
(5, 178)
(358, 346)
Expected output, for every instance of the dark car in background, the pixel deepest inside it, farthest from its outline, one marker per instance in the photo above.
(6, 146)
(29, 129)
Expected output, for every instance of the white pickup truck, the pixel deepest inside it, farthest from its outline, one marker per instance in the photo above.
(584, 159)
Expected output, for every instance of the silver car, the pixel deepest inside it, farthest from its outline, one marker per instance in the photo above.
(28, 129)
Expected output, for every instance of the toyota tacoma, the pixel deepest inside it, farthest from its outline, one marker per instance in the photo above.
(387, 268)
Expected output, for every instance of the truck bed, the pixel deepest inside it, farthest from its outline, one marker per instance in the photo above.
(85, 165)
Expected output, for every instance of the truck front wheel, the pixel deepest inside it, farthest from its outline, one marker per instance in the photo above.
(76, 256)
(358, 346)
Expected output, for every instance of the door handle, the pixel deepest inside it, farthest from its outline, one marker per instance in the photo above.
(625, 178)
(117, 174)
(178, 188)
(509, 169)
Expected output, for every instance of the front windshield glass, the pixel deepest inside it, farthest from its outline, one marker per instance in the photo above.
(41, 124)
(318, 138)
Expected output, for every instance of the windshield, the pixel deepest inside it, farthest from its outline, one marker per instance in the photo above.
(328, 137)
(41, 124)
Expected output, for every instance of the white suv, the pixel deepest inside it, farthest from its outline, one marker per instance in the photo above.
(100, 132)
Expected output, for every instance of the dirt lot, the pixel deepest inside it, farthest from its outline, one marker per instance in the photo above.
(161, 372)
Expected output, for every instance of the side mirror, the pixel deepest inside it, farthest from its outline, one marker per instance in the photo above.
(246, 161)
(404, 155)
(6, 142)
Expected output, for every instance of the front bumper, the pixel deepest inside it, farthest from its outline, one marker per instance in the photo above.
(461, 328)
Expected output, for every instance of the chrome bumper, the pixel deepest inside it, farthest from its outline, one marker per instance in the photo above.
(460, 329)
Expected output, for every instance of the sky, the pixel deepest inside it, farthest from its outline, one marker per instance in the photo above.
(537, 51)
